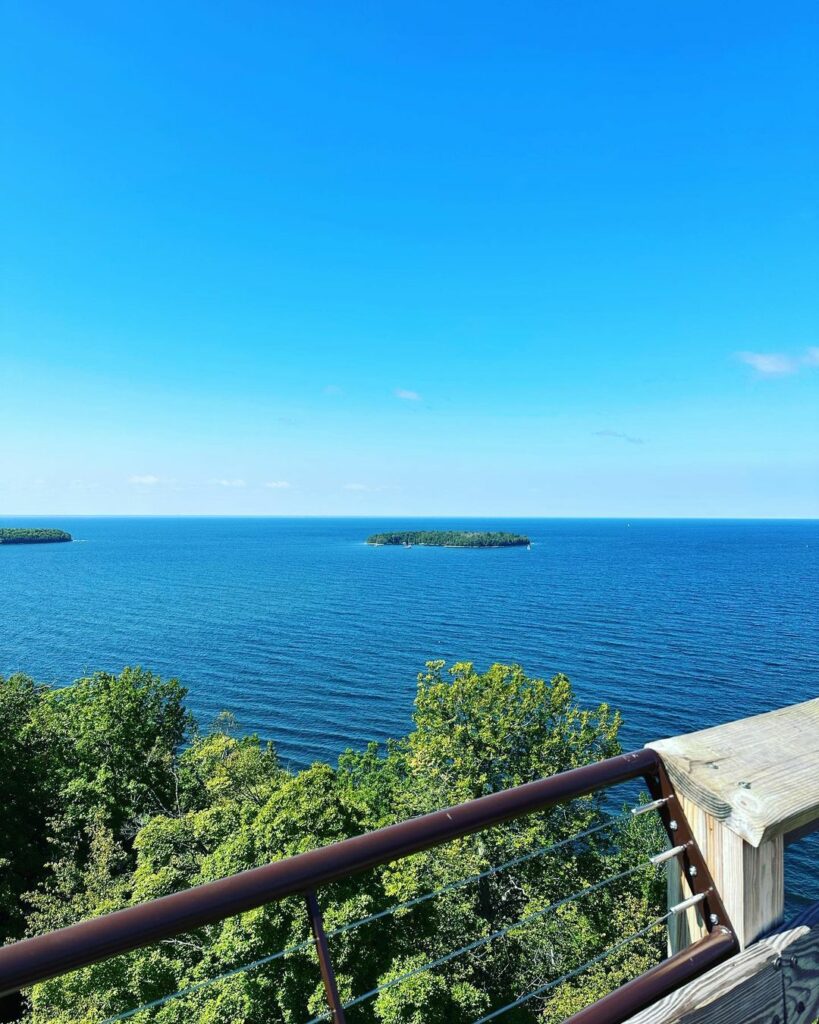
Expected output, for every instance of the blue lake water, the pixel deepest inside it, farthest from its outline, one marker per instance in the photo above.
(313, 639)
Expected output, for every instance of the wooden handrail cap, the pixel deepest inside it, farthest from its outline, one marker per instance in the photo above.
(759, 776)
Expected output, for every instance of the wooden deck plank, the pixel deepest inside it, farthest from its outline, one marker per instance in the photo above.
(801, 967)
(775, 981)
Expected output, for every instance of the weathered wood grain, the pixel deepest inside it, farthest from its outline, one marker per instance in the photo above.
(801, 973)
(775, 981)
(758, 776)
(744, 787)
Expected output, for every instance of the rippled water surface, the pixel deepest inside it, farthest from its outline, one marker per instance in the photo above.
(314, 640)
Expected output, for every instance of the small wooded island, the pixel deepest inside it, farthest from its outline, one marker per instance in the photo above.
(24, 535)
(450, 539)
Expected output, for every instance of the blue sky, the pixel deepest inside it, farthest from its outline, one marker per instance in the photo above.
(465, 258)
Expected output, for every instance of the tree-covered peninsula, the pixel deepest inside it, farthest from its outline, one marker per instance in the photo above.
(29, 535)
(450, 539)
(116, 798)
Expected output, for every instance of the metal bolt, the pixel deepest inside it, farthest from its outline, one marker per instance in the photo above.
(713, 919)
(672, 825)
(692, 870)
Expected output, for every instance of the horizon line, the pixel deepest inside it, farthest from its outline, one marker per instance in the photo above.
(397, 515)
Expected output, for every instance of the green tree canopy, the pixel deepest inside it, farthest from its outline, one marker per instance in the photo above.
(450, 539)
(31, 535)
(182, 814)
(96, 755)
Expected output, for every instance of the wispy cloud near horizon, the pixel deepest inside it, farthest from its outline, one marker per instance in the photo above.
(779, 364)
(144, 480)
(369, 488)
(407, 396)
(621, 436)
(278, 485)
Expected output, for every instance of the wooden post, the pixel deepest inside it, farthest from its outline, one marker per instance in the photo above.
(744, 787)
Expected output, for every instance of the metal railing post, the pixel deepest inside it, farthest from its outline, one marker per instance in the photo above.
(328, 975)
(692, 864)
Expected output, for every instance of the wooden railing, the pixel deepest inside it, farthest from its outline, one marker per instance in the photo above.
(748, 789)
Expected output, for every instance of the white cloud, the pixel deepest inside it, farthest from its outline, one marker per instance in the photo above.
(228, 483)
(770, 364)
(369, 489)
(620, 435)
(779, 364)
(144, 480)
(278, 485)
(407, 396)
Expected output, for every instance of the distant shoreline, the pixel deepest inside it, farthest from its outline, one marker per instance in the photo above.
(353, 517)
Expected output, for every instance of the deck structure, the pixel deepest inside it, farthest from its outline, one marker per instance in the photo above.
(749, 789)
(730, 799)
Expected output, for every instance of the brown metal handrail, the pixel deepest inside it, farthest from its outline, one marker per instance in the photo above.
(46, 956)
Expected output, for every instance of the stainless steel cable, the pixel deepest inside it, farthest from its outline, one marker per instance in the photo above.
(196, 986)
(577, 970)
(451, 886)
(349, 926)
(478, 943)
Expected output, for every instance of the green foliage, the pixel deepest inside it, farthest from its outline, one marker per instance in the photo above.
(117, 738)
(450, 539)
(183, 815)
(24, 798)
(89, 760)
(29, 535)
